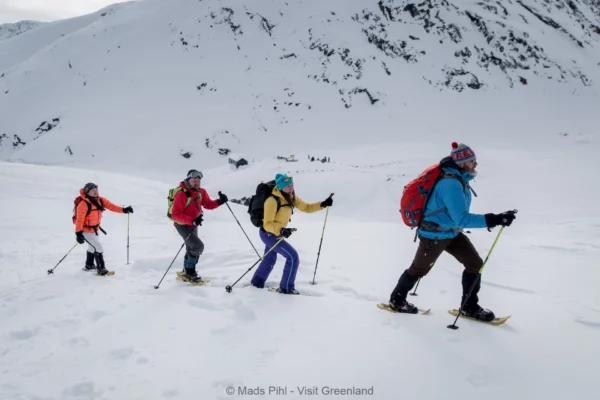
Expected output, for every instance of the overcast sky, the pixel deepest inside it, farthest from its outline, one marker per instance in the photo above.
(48, 10)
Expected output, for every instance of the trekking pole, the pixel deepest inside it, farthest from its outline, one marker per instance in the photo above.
(229, 288)
(243, 230)
(183, 244)
(320, 244)
(128, 239)
(51, 271)
(453, 326)
(414, 293)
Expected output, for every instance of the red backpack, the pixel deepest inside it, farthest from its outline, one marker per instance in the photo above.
(416, 193)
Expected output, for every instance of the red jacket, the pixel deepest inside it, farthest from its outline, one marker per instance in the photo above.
(199, 199)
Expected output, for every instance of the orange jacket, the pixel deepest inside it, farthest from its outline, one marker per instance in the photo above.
(92, 221)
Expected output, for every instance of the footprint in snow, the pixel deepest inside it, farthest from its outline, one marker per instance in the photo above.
(78, 343)
(24, 334)
(477, 379)
(453, 339)
(97, 315)
(591, 324)
(349, 292)
(171, 393)
(121, 354)
(84, 390)
(510, 288)
(143, 360)
(244, 313)
(204, 305)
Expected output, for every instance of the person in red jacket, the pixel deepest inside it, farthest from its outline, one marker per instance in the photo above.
(187, 215)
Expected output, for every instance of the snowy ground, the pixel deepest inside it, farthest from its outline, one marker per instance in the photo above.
(73, 335)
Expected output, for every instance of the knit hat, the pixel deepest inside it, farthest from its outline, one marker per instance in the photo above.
(461, 153)
(192, 173)
(89, 186)
(282, 181)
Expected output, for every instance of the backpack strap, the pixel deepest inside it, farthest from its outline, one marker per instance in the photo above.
(189, 197)
(432, 226)
(278, 200)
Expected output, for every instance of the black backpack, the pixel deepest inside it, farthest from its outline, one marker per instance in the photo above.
(256, 208)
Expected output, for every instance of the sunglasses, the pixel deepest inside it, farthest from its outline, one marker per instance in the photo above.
(195, 174)
(288, 179)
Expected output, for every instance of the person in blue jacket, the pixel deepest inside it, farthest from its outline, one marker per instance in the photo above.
(446, 215)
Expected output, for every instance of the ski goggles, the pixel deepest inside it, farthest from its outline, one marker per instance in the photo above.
(194, 174)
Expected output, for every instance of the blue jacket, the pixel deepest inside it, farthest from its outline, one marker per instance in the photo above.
(455, 198)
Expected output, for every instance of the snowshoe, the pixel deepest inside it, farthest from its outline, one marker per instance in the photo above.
(190, 275)
(403, 307)
(286, 291)
(479, 313)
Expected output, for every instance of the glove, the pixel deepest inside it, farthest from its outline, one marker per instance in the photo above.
(128, 210)
(198, 220)
(222, 199)
(286, 232)
(328, 202)
(80, 238)
(504, 219)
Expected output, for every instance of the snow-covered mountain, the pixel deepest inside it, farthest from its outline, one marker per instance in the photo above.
(133, 96)
(275, 78)
(8, 31)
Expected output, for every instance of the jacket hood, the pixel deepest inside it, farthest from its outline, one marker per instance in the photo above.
(84, 196)
(448, 165)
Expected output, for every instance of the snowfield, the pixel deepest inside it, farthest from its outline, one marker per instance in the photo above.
(77, 335)
(135, 95)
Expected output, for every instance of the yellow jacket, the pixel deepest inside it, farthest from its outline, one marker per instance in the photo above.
(274, 220)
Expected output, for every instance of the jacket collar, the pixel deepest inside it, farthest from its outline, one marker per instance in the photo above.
(277, 193)
(184, 184)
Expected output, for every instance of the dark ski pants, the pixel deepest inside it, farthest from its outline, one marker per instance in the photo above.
(292, 262)
(193, 245)
(429, 251)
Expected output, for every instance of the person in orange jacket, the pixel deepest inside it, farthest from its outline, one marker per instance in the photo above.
(88, 216)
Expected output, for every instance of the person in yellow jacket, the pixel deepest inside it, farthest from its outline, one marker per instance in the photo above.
(275, 221)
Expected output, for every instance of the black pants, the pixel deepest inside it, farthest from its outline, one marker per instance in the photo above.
(427, 254)
(430, 250)
(193, 245)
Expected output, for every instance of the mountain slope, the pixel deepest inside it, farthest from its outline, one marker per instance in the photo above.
(156, 80)
(8, 31)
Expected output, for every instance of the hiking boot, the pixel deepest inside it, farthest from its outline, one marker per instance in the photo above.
(89, 262)
(405, 283)
(479, 313)
(191, 275)
(100, 268)
(286, 291)
(403, 306)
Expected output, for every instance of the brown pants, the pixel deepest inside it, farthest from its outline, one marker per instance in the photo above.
(430, 250)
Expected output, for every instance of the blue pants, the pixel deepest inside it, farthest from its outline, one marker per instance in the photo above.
(268, 262)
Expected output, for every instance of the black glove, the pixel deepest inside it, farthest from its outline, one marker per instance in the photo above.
(504, 219)
(286, 232)
(328, 202)
(128, 210)
(198, 220)
(80, 238)
(222, 199)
